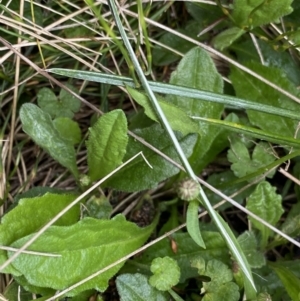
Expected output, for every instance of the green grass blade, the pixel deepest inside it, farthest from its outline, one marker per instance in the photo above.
(253, 132)
(175, 90)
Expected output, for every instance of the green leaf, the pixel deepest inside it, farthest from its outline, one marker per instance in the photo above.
(138, 175)
(197, 70)
(249, 87)
(221, 286)
(249, 245)
(98, 207)
(38, 125)
(259, 12)
(227, 37)
(14, 292)
(68, 129)
(265, 203)
(218, 271)
(192, 223)
(216, 292)
(107, 144)
(177, 118)
(85, 248)
(187, 250)
(289, 280)
(135, 287)
(63, 106)
(243, 164)
(33, 213)
(166, 273)
(246, 52)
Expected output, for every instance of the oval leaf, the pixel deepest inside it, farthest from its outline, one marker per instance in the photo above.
(38, 125)
(85, 248)
(107, 144)
(33, 213)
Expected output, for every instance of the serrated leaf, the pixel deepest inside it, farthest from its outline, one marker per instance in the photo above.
(85, 248)
(68, 129)
(243, 164)
(221, 286)
(249, 87)
(218, 271)
(33, 213)
(265, 203)
(187, 250)
(290, 281)
(227, 37)
(138, 175)
(192, 223)
(166, 273)
(249, 245)
(106, 144)
(63, 106)
(177, 118)
(216, 292)
(259, 12)
(38, 125)
(135, 287)
(197, 70)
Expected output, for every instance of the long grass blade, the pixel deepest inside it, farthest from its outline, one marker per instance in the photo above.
(175, 90)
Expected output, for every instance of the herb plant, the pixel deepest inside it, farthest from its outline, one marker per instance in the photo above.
(122, 155)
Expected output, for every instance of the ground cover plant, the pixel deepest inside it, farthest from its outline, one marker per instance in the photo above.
(150, 150)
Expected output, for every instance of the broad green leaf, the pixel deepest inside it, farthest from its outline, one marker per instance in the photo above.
(85, 248)
(63, 106)
(289, 280)
(249, 245)
(259, 12)
(197, 70)
(227, 37)
(33, 213)
(192, 223)
(138, 175)
(177, 118)
(68, 129)
(249, 87)
(135, 287)
(246, 52)
(38, 125)
(106, 144)
(243, 164)
(265, 203)
(187, 250)
(43, 291)
(166, 273)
